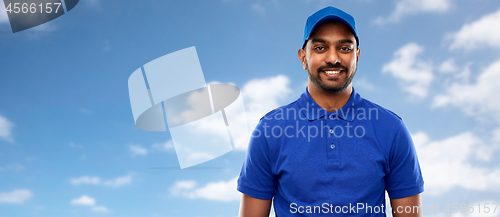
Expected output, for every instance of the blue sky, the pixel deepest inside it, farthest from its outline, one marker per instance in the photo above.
(69, 145)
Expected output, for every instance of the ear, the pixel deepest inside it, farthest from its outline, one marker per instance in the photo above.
(302, 57)
(357, 54)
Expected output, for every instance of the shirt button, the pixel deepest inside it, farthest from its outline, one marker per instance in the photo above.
(332, 146)
(331, 117)
(331, 131)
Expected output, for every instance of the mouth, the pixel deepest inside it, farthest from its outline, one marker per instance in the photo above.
(333, 72)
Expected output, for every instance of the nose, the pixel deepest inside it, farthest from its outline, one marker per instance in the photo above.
(332, 57)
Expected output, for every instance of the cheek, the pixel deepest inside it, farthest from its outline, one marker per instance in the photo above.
(314, 62)
(353, 62)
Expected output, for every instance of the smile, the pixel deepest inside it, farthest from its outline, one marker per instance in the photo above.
(332, 72)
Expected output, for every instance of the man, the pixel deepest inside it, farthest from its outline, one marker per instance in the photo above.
(330, 151)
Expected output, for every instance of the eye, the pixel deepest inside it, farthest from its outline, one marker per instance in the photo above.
(319, 48)
(346, 49)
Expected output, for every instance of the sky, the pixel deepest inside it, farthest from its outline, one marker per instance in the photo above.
(69, 145)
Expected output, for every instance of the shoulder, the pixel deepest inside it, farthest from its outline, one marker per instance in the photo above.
(379, 112)
(272, 115)
(386, 125)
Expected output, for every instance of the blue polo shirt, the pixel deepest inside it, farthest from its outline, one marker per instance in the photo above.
(314, 162)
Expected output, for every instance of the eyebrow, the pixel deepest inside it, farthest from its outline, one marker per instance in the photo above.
(342, 41)
(346, 41)
(318, 40)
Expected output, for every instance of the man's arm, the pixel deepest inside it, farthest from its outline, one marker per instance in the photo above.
(407, 207)
(254, 207)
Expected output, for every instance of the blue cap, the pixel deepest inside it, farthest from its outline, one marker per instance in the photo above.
(329, 14)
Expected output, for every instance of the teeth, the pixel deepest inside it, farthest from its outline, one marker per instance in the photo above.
(332, 72)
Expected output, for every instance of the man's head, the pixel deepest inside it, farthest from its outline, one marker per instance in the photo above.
(330, 50)
(329, 14)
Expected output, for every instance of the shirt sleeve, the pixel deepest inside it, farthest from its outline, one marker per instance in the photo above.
(256, 177)
(404, 178)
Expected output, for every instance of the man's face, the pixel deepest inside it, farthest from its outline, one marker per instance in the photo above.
(330, 57)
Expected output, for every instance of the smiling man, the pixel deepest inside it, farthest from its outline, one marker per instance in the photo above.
(331, 151)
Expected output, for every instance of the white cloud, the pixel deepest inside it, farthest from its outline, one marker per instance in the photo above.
(136, 150)
(119, 181)
(266, 93)
(183, 185)
(192, 111)
(102, 209)
(448, 66)
(84, 200)
(261, 96)
(413, 74)
(6, 129)
(447, 164)
(478, 34)
(259, 8)
(17, 196)
(89, 201)
(85, 180)
(166, 147)
(496, 136)
(212, 142)
(474, 98)
(218, 191)
(363, 83)
(411, 7)
(94, 180)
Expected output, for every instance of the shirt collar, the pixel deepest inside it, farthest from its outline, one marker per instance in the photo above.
(310, 109)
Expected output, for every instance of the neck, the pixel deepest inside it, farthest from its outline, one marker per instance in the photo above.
(329, 101)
